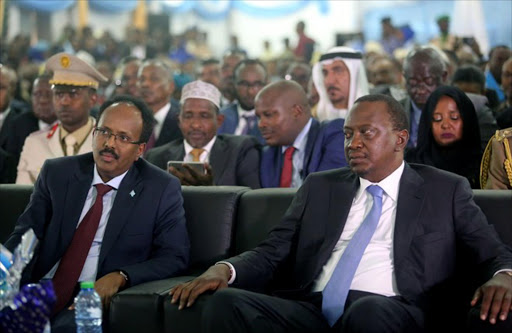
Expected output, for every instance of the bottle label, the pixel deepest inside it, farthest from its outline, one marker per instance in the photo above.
(94, 312)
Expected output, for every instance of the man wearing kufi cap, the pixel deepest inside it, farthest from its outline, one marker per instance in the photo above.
(74, 85)
(340, 79)
(229, 159)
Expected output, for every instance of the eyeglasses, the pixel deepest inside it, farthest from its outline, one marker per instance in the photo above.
(105, 134)
(247, 85)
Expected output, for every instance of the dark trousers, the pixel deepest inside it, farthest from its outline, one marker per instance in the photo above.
(236, 310)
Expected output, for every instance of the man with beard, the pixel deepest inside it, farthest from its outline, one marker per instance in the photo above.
(74, 85)
(228, 159)
(156, 86)
(250, 76)
(96, 234)
(297, 144)
(340, 79)
(424, 71)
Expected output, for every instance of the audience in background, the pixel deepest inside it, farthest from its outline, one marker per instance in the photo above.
(496, 172)
(340, 79)
(497, 57)
(229, 159)
(299, 72)
(306, 45)
(424, 71)
(297, 144)
(155, 85)
(229, 62)
(449, 137)
(210, 72)
(250, 76)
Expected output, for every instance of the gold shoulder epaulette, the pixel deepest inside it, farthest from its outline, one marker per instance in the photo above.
(504, 133)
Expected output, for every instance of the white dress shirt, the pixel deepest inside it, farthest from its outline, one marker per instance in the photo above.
(91, 262)
(3, 115)
(160, 116)
(376, 271)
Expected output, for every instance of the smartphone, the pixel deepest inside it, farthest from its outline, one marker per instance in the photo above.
(178, 165)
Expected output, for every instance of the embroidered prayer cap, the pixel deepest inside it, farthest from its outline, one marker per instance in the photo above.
(202, 90)
(70, 70)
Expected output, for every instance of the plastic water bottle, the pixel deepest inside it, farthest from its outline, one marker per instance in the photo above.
(88, 309)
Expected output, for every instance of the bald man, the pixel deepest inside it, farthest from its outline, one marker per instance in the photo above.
(297, 144)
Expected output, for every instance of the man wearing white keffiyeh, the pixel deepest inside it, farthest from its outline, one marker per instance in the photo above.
(340, 79)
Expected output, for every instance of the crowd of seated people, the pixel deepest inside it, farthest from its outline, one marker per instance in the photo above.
(260, 122)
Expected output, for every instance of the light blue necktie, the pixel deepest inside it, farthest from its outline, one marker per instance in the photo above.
(336, 291)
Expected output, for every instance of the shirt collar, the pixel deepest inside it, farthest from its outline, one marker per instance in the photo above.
(162, 113)
(4, 114)
(390, 184)
(207, 148)
(114, 182)
(301, 139)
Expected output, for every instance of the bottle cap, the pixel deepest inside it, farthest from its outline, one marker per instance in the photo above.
(87, 285)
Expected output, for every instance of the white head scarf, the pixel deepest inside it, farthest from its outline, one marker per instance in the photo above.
(358, 81)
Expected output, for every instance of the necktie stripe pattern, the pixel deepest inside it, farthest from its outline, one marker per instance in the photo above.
(335, 292)
(287, 170)
(72, 262)
(250, 123)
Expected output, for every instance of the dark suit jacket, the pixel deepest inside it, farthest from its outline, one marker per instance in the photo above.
(170, 128)
(435, 215)
(8, 161)
(324, 151)
(234, 159)
(230, 123)
(145, 235)
(21, 127)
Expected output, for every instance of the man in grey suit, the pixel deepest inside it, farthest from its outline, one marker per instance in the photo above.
(228, 159)
(426, 225)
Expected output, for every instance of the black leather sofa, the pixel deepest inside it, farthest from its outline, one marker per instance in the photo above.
(222, 221)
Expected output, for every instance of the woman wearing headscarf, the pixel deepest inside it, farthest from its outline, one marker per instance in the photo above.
(448, 135)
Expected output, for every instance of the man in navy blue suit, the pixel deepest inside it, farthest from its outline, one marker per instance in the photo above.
(141, 234)
(286, 124)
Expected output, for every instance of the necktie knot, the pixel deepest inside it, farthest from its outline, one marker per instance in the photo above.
(70, 142)
(375, 191)
(196, 154)
(288, 153)
(102, 189)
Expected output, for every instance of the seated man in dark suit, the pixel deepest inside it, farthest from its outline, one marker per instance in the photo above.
(9, 110)
(249, 76)
(362, 249)
(42, 117)
(105, 241)
(229, 159)
(297, 144)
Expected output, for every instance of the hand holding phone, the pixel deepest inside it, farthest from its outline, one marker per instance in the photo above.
(191, 173)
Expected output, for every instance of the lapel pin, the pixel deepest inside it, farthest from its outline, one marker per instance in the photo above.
(132, 193)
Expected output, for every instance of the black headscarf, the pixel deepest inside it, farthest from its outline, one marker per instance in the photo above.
(462, 157)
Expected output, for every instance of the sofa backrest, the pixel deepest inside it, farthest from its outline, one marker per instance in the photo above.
(259, 211)
(497, 206)
(13, 200)
(210, 213)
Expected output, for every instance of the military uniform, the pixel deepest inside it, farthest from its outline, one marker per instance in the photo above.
(45, 144)
(68, 71)
(496, 168)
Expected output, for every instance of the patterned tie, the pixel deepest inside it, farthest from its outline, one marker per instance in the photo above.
(72, 262)
(250, 120)
(287, 171)
(336, 291)
(70, 145)
(196, 154)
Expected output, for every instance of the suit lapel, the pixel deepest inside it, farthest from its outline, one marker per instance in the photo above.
(176, 152)
(313, 133)
(218, 158)
(410, 202)
(121, 209)
(342, 194)
(75, 196)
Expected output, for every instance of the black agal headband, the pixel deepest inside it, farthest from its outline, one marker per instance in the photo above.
(345, 55)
